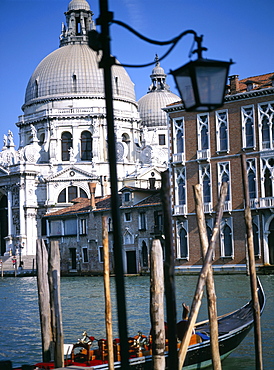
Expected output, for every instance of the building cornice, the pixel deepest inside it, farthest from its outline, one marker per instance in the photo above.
(51, 98)
(250, 94)
(228, 98)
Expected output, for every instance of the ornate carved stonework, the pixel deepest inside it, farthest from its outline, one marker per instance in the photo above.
(32, 153)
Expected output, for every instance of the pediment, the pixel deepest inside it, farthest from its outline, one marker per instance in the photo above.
(146, 173)
(72, 173)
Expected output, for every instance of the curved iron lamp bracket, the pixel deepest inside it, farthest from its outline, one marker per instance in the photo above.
(96, 45)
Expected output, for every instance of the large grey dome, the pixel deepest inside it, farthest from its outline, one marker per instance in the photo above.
(158, 97)
(72, 70)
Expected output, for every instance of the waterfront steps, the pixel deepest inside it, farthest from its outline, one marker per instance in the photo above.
(29, 264)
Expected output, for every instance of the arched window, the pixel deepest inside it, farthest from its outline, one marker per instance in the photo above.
(256, 239)
(179, 127)
(206, 189)
(41, 139)
(70, 193)
(86, 146)
(181, 191)
(265, 133)
(227, 241)
(204, 137)
(66, 145)
(223, 137)
(249, 134)
(267, 183)
(126, 140)
(62, 197)
(74, 83)
(128, 238)
(183, 243)
(252, 184)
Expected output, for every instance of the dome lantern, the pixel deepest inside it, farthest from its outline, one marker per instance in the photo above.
(79, 23)
(158, 77)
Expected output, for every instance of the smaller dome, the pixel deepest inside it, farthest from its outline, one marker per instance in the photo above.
(158, 71)
(78, 4)
(158, 97)
(150, 107)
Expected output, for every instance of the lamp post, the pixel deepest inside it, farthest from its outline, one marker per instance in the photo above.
(106, 62)
(201, 97)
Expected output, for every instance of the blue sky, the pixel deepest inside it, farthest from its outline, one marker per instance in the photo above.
(241, 30)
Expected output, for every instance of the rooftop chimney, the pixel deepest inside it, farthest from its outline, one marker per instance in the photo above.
(234, 84)
(272, 79)
(92, 187)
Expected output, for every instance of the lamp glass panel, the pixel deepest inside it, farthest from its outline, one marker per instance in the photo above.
(184, 84)
(211, 83)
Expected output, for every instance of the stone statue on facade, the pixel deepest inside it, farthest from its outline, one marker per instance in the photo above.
(5, 141)
(33, 133)
(10, 139)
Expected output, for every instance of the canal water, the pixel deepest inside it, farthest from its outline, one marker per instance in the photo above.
(83, 309)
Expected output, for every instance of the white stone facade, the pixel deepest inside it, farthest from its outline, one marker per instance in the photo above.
(63, 137)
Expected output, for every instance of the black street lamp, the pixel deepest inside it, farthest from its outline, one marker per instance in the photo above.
(202, 98)
(202, 83)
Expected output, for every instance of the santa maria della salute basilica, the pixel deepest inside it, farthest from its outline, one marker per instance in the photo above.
(62, 149)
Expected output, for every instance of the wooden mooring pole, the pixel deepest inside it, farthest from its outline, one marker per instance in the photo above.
(252, 269)
(108, 316)
(211, 296)
(48, 282)
(202, 278)
(44, 299)
(157, 305)
(56, 310)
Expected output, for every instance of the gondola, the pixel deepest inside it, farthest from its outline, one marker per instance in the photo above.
(233, 328)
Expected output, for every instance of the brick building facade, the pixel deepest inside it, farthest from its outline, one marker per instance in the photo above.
(206, 149)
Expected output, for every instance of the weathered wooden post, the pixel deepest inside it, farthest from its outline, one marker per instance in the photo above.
(157, 305)
(252, 269)
(169, 271)
(44, 299)
(108, 316)
(202, 278)
(211, 296)
(54, 284)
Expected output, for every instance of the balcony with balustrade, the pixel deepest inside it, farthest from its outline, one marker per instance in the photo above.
(180, 210)
(228, 206)
(203, 155)
(208, 207)
(266, 202)
(178, 158)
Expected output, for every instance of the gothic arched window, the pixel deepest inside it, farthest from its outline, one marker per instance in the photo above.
(227, 241)
(183, 243)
